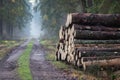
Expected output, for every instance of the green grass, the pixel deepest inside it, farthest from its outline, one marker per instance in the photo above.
(58, 64)
(6, 46)
(45, 42)
(24, 68)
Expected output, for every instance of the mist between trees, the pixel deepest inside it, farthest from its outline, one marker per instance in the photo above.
(15, 15)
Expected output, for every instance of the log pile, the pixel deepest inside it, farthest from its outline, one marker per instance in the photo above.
(90, 39)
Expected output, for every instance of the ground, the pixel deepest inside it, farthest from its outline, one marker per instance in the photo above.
(9, 63)
(41, 69)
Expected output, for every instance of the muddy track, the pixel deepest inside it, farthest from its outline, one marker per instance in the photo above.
(41, 68)
(9, 63)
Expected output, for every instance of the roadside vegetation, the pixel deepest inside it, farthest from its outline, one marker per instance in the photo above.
(6, 46)
(71, 70)
(92, 73)
(23, 62)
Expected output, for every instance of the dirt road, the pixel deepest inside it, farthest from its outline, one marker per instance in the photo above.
(41, 68)
(8, 64)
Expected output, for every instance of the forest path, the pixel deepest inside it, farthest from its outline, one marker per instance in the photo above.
(41, 68)
(8, 65)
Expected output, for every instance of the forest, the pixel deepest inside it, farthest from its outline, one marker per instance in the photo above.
(59, 39)
(54, 12)
(15, 14)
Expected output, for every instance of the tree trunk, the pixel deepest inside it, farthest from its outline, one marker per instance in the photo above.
(83, 6)
(89, 3)
(102, 62)
(96, 41)
(4, 31)
(96, 35)
(93, 19)
(93, 28)
(1, 27)
(93, 53)
(87, 49)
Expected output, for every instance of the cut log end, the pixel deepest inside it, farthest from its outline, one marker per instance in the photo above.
(67, 21)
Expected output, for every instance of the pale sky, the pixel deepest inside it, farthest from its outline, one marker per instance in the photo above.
(36, 22)
(32, 1)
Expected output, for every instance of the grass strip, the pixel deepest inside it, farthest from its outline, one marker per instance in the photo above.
(24, 62)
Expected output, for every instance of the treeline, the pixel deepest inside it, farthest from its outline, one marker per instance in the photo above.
(54, 12)
(14, 15)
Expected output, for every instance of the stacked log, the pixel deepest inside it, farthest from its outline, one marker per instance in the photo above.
(88, 39)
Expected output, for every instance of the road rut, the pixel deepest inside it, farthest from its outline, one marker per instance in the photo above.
(41, 68)
(9, 63)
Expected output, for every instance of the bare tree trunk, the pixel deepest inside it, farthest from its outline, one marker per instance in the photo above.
(93, 28)
(89, 3)
(83, 5)
(1, 25)
(93, 19)
(4, 31)
(96, 35)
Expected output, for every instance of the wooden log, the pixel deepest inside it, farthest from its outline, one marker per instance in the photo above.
(57, 46)
(97, 53)
(100, 61)
(63, 54)
(60, 46)
(76, 58)
(96, 41)
(93, 19)
(93, 28)
(96, 35)
(86, 49)
(96, 46)
(66, 35)
(61, 33)
(69, 58)
(58, 56)
(79, 63)
(61, 41)
(85, 59)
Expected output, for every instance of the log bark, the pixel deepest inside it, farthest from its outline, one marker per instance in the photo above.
(93, 28)
(85, 59)
(96, 41)
(96, 46)
(83, 40)
(62, 32)
(86, 49)
(96, 35)
(98, 53)
(94, 19)
(102, 63)
(62, 54)
(69, 58)
(58, 56)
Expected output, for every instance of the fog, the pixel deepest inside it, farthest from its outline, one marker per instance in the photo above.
(35, 24)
